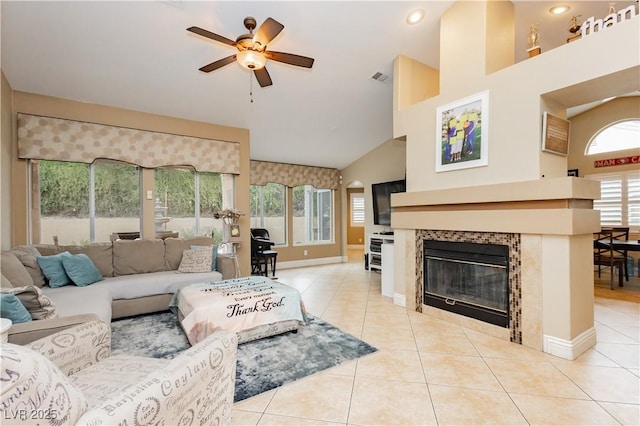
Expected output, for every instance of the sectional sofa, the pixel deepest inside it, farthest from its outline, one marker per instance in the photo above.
(140, 276)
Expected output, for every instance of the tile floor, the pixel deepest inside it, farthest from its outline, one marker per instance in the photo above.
(428, 371)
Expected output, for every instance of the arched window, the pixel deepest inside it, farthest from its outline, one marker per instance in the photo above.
(618, 136)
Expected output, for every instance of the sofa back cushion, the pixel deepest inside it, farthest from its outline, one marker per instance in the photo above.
(175, 246)
(101, 254)
(138, 257)
(27, 256)
(15, 272)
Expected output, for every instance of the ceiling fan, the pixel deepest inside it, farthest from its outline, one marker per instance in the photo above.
(253, 53)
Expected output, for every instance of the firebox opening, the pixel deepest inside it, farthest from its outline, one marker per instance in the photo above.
(468, 279)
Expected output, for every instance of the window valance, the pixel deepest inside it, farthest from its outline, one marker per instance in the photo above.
(263, 172)
(48, 138)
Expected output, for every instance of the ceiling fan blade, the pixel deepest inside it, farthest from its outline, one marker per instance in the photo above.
(218, 64)
(212, 36)
(262, 75)
(268, 31)
(290, 58)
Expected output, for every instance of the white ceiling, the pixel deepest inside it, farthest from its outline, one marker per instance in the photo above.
(138, 55)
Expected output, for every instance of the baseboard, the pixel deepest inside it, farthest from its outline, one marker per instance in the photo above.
(400, 300)
(355, 246)
(569, 349)
(311, 262)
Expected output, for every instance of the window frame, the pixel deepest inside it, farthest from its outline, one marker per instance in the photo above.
(353, 221)
(309, 209)
(261, 208)
(607, 128)
(627, 207)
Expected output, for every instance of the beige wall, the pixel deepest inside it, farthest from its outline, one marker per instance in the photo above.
(6, 131)
(605, 64)
(382, 164)
(584, 126)
(517, 97)
(73, 110)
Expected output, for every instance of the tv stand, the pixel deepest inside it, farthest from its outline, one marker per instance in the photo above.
(379, 250)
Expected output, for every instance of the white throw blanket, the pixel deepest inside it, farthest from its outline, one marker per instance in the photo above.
(236, 305)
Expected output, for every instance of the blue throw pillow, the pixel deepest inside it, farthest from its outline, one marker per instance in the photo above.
(214, 258)
(12, 308)
(81, 270)
(53, 269)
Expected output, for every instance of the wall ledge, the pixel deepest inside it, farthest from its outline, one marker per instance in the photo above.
(561, 188)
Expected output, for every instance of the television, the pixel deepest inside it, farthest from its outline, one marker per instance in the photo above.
(381, 196)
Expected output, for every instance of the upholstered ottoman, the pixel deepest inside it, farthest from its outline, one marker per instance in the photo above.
(252, 307)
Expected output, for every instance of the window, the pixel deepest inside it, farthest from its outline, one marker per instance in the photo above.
(619, 202)
(269, 210)
(116, 199)
(619, 136)
(312, 215)
(81, 203)
(186, 200)
(357, 208)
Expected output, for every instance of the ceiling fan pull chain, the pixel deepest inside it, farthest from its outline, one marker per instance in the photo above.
(251, 87)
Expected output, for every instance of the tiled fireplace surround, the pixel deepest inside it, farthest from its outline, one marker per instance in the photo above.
(510, 240)
(548, 226)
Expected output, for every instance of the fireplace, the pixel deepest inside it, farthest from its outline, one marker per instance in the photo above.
(466, 278)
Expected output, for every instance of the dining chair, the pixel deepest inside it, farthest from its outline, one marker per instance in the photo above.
(605, 255)
(621, 233)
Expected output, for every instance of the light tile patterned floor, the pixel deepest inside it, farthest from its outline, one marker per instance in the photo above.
(430, 372)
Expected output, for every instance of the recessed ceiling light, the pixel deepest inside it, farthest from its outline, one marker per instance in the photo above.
(415, 16)
(559, 9)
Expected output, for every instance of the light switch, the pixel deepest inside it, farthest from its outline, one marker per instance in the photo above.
(149, 194)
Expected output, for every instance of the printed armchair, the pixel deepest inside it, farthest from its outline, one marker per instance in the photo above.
(70, 378)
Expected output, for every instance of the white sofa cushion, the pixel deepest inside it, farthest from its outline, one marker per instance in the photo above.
(72, 300)
(153, 283)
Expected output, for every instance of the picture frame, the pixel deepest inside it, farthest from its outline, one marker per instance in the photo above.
(234, 233)
(462, 133)
(572, 172)
(555, 134)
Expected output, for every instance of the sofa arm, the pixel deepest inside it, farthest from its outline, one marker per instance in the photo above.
(196, 387)
(27, 332)
(76, 347)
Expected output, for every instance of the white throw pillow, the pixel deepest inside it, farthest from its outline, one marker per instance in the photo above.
(196, 260)
(35, 392)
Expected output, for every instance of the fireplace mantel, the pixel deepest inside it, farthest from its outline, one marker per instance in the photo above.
(554, 219)
(554, 206)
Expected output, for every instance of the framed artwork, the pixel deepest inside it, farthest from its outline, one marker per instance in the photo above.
(555, 134)
(234, 233)
(462, 129)
(572, 172)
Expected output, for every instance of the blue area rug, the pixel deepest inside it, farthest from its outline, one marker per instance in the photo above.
(263, 364)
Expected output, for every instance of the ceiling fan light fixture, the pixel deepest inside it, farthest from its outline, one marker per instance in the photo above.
(415, 16)
(251, 59)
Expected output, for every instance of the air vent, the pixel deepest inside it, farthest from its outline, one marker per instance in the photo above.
(380, 77)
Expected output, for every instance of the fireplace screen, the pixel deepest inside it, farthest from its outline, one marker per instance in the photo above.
(467, 278)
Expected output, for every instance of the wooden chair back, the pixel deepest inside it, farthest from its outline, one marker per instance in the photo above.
(605, 255)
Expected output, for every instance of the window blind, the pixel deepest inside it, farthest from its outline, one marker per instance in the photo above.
(619, 202)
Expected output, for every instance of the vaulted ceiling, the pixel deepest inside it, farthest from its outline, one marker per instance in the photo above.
(138, 55)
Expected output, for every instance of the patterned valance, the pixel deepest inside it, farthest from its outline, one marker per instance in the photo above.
(47, 138)
(291, 175)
